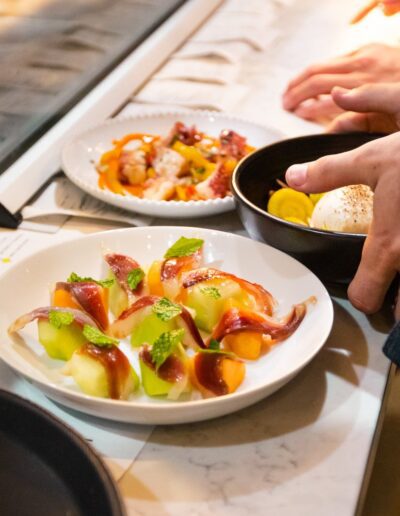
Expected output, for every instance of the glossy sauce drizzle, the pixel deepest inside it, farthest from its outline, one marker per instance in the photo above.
(208, 371)
(172, 370)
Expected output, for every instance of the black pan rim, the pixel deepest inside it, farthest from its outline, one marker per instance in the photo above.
(67, 432)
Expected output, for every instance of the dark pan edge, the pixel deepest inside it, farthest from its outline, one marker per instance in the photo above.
(83, 448)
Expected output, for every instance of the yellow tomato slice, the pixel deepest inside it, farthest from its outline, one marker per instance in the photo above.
(315, 197)
(290, 203)
(295, 220)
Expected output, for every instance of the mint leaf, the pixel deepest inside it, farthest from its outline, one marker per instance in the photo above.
(165, 345)
(212, 292)
(135, 277)
(97, 337)
(58, 319)
(214, 345)
(184, 247)
(166, 309)
(74, 278)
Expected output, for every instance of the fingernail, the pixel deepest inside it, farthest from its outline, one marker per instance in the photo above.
(286, 102)
(296, 175)
(341, 91)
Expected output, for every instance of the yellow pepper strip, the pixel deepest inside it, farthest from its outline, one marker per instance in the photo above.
(200, 167)
(181, 193)
(315, 197)
(290, 203)
(151, 172)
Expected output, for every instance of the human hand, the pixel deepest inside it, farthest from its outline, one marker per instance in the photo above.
(370, 108)
(376, 164)
(370, 64)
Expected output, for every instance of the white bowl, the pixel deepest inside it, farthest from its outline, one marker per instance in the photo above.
(81, 154)
(26, 286)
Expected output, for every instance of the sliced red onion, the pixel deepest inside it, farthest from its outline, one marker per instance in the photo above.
(80, 318)
(121, 265)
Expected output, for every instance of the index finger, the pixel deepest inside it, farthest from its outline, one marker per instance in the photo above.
(341, 64)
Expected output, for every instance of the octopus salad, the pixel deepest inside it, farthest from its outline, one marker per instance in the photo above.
(186, 165)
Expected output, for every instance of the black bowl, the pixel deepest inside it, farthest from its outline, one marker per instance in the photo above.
(333, 256)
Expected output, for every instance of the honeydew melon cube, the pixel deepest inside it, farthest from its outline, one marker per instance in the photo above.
(208, 309)
(60, 343)
(149, 329)
(91, 376)
(153, 385)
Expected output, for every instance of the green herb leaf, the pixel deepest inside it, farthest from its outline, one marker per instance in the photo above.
(211, 292)
(97, 337)
(214, 345)
(58, 319)
(166, 309)
(184, 247)
(74, 278)
(165, 345)
(200, 170)
(135, 277)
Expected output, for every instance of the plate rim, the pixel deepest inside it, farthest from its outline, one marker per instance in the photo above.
(181, 405)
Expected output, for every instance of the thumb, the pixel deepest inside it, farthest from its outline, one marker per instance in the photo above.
(381, 98)
(332, 171)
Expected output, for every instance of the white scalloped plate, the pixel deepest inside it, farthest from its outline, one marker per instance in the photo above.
(80, 155)
(26, 286)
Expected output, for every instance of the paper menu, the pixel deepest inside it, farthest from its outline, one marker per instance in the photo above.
(15, 245)
(62, 197)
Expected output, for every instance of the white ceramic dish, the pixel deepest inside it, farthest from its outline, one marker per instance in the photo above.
(26, 286)
(81, 154)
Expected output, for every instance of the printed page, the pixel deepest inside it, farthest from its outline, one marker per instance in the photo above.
(62, 197)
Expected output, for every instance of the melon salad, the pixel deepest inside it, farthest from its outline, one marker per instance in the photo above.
(193, 326)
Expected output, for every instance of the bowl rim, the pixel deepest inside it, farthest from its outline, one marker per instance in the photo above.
(238, 194)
